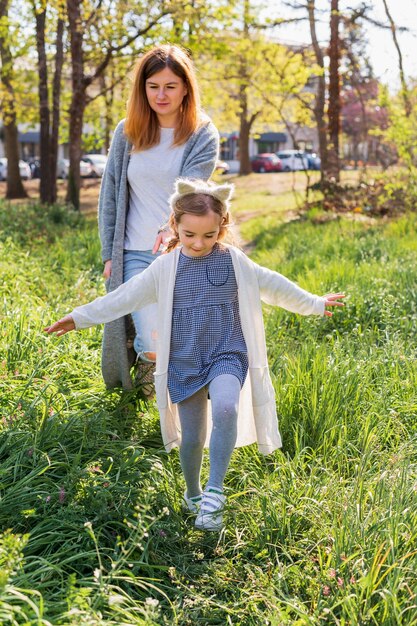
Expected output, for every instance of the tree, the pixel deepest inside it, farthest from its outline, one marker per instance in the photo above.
(320, 99)
(334, 103)
(49, 120)
(404, 88)
(15, 187)
(246, 117)
(97, 34)
(363, 118)
(252, 81)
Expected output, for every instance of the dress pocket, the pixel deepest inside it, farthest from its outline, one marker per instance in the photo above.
(217, 276)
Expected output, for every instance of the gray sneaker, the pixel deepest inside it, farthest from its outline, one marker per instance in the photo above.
(210, 515)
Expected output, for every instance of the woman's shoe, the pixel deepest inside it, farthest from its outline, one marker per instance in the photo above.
(210, 515)
(144, 379)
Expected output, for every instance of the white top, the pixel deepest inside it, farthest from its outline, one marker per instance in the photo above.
(151, 175)
(257, 418)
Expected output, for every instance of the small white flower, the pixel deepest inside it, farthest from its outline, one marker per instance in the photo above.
(115, 599)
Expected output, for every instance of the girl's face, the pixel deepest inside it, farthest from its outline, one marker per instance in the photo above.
(198, 233)
(165, 92)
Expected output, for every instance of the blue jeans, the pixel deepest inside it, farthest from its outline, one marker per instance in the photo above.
(135, 262)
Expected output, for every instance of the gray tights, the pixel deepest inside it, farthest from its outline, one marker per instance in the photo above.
(224, 395)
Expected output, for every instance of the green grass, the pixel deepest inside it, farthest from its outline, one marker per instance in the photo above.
(322, 532)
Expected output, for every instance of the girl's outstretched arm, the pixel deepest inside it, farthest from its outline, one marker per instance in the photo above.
(332, 299)
(62, 326)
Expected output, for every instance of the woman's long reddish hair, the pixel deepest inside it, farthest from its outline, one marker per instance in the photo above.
(141, 125)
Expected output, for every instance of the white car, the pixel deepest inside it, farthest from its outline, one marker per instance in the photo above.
(97, 163)
(24, 169)
(292, 160)
(63, 168)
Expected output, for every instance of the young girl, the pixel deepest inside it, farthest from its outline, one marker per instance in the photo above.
(211, 340)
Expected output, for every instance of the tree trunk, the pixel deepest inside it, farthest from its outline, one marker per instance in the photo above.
(78, 101)
(81, 82)
(245, 166)
(56, 98)
(320, 100)
(49, 127)
(333, 169)
(245, 124)
(15, 187)
(44, 113)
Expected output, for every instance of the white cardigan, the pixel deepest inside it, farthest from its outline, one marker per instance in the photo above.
(257, 419)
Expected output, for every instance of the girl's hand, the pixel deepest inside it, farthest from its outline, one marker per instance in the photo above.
(61, 327)
(161, 238)
(107, 269)
(332, 299)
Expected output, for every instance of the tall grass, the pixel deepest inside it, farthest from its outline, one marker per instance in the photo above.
(322, 532)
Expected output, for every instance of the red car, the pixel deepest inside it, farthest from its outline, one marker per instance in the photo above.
(266, 162)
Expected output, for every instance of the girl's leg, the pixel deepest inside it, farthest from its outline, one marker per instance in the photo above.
(135, 262)
(224, 394)
(193, 417)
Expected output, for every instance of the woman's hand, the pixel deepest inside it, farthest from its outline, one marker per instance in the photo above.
(332, 299)
(61, 327)
(107, 269)
(162, 237)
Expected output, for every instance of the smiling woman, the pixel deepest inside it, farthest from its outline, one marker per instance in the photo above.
(165, 92)
(165, 135)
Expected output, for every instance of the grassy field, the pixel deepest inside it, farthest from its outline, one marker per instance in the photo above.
(322, 532)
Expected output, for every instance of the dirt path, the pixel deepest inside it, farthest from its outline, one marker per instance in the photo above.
(88, 196)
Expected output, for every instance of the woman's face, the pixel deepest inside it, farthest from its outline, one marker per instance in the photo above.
(165, 92)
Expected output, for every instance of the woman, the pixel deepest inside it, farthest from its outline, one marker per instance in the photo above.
(164, 136)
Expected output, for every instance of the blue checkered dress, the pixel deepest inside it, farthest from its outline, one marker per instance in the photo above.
(206, 336)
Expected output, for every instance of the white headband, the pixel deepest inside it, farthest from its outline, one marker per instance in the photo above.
(186, 186)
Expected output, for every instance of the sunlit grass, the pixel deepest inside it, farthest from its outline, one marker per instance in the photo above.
(322, 532)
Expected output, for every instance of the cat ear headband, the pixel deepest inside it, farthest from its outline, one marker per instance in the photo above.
(186, 186)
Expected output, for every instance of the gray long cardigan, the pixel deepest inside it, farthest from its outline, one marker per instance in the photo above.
(199, 158)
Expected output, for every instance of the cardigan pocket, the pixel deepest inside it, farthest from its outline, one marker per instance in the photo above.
(161, 390)
(261, 385)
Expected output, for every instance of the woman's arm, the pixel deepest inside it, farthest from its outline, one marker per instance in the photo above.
(201, 160)
(107, 208)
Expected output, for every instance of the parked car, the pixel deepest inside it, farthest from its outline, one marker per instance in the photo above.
(313, 159)
(97, 164)
(86, 169)
(35, 166)
(292, 160)
(62, 169)
(222, 167)
(25, 173)
(266, 162)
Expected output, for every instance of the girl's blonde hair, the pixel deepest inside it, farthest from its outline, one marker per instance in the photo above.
(141, 125)
(197, 204)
